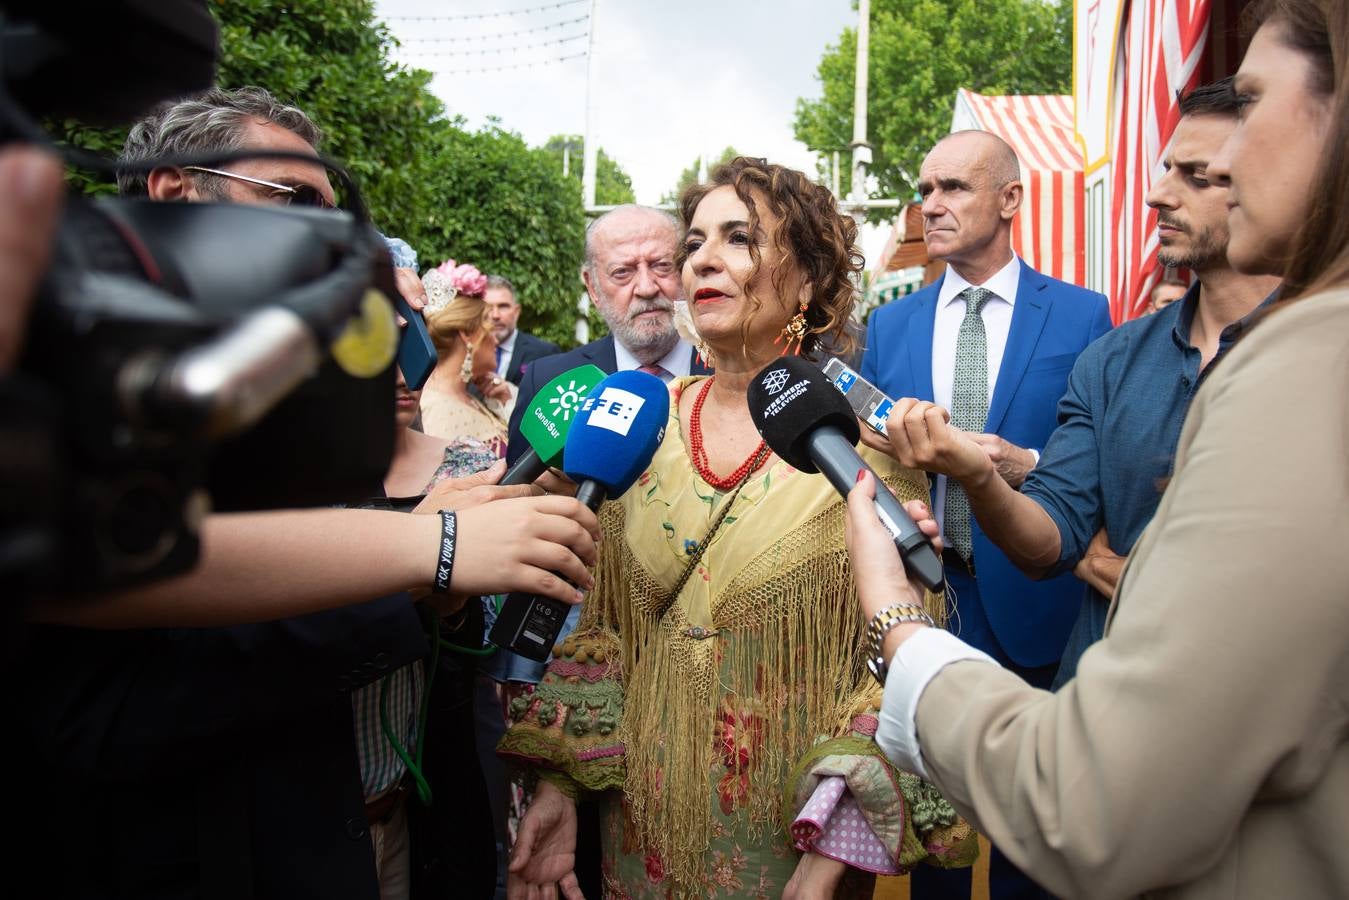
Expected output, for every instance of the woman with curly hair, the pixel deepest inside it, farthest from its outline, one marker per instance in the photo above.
(714, 692)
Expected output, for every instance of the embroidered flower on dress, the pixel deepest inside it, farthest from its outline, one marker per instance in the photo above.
(655, 868)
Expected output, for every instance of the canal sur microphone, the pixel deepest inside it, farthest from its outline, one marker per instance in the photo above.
(547, 420)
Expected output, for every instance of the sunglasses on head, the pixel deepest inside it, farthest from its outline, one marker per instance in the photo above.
(290, 195)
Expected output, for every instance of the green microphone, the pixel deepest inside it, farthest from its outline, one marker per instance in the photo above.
(546, 421)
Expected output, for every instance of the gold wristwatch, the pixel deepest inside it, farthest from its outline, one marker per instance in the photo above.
(880, 624)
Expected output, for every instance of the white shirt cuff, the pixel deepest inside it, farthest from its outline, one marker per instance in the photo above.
(917, 662)
(1036, 454)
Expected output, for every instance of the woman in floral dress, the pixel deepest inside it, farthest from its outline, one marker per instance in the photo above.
(715, 692)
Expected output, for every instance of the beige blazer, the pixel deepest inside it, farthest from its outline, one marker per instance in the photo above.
(1203, 749)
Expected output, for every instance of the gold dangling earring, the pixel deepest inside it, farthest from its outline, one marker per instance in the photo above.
(466, 370)
(795, 332)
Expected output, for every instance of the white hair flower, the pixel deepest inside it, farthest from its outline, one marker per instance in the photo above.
(440, 291)
(683, 322)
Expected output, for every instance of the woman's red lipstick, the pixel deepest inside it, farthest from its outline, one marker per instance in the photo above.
(707, 294)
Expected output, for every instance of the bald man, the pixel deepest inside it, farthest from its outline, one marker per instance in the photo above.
(991, 343)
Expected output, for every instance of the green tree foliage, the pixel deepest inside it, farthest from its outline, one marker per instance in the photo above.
(480, 197)
(921, 52)
(613, 187)
(690, 174)
(507, 209)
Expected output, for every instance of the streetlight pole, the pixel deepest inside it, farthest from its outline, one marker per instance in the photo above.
(861, 150)
(591, 145)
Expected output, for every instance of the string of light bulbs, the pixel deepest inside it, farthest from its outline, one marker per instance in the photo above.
(486, 70)
(511, 49)
(464, 39)
(464, 17)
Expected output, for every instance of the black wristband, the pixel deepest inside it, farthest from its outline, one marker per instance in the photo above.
(449, 536)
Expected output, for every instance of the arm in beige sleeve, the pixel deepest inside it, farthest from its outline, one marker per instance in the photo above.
(266, 565)
(1222, 665)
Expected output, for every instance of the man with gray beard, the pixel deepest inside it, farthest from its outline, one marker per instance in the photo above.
(1101, 473)
(630, 274)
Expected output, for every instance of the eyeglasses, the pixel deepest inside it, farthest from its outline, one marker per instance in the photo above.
(290, 195)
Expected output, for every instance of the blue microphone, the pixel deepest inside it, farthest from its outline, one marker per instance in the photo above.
(620, 425)
(617, 430)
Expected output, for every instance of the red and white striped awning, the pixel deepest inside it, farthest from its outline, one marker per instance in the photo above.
(1048, 232)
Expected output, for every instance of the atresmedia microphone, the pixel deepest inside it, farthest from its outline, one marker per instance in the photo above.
(547, 421)
(810, 425)
(613, 436)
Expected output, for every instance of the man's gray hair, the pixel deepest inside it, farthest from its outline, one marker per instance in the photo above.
(501, 281)
(589, 264)
(206, 123)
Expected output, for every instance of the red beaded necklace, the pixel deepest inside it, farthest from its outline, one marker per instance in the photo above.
(700, 461)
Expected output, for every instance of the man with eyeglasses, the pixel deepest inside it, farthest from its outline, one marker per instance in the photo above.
(222, 761)
(218, 120)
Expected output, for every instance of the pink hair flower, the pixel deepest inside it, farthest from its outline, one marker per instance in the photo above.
(465, 278)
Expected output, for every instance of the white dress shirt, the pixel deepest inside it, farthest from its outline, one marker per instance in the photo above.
(507, 348)
(677, 362)
(916, 663)
(997, 316)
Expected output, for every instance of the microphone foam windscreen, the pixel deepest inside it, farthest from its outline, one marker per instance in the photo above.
(791, 398)
(620, 424)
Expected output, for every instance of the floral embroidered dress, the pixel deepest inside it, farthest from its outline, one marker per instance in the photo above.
(712, 721)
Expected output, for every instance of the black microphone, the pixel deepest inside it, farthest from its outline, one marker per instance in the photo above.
(808, 423)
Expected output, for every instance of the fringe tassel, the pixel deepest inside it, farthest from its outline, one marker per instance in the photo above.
(785, 670)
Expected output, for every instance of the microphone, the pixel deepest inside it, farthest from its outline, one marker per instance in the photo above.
(547, 420)
(808, 423)
(616, 431)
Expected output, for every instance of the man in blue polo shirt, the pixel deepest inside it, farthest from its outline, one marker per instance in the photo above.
(1102, 471)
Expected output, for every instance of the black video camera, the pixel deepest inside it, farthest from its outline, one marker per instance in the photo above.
(178, 357)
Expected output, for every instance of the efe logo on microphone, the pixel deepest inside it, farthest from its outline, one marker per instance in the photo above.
(613, 409)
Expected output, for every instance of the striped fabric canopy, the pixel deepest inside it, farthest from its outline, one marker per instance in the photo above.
(1048, 232)
(1164, 44)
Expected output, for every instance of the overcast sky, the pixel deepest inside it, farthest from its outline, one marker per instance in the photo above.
(672, 80)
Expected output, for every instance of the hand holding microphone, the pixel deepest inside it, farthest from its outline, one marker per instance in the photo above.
(877, 568)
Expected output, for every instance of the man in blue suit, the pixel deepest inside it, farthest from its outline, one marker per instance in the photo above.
(993, 341)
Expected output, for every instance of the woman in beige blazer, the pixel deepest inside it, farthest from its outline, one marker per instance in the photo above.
(1203, 749)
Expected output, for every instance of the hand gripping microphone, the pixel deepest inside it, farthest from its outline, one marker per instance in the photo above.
(808, 423)
(613, 436)
(547, 420)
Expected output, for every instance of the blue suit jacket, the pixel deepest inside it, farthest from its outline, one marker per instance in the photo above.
(1052, 322)
(528, 348)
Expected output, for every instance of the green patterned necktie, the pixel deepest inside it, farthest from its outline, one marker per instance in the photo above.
(969, 408)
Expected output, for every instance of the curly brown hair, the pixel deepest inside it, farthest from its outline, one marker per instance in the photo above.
(812, 232)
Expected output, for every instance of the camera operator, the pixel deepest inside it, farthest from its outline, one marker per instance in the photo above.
(221, 761)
